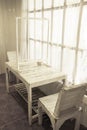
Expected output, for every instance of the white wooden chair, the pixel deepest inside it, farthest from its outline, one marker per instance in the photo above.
(62, 106)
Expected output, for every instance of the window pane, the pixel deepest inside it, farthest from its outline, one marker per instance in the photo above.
(83, 33)
(38, 14)
(71, 24)
(44, 51)
(31, 14)
(38, 50)
(35, 29)
(68, 64)
(31, 28)
(47, 14)
(49, 55)
(79, 68)
(56, 53)
(31, 49)
(45, 31)
(38, 29)
(47, 3)
(82, 67)
(57, 26)
(31, 5)
(58, 3)
(38, 4)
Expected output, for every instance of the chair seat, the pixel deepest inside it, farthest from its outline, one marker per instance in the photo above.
(49, 102)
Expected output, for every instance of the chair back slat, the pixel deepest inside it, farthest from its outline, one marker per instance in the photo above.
(69, 98)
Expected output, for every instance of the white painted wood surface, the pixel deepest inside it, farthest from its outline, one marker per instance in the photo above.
(33, 74)
(62, 106)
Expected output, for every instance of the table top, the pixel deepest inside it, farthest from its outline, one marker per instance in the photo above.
(35, 73)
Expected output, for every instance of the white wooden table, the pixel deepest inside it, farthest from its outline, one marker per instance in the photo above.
(33, 75)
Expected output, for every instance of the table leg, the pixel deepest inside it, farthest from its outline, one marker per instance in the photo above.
(30, 105)
(7, 80)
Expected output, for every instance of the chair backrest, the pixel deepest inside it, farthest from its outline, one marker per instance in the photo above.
(70, 98)
(11, 55)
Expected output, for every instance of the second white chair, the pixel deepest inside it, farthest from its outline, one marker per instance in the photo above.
(62, 106)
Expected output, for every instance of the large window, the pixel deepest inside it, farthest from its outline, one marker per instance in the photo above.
(67, 34)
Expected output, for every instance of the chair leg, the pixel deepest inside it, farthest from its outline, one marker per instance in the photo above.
(56, 126)
(55, 123)
(39, 115)
(77, 123)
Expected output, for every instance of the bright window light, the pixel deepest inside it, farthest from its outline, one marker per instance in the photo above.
(38, 4)
(71, 26)
(57, 26)
(58, 3)
(68, 63)
(82, 67)
(47, 3)
(83, 33)
(31, 5)
(31, 49)
(64, 45)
